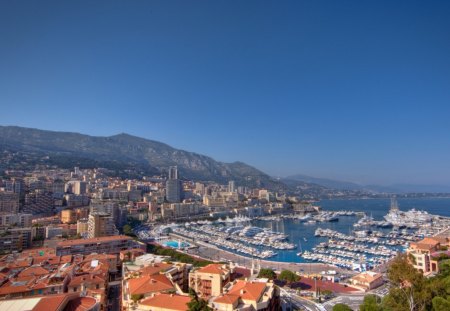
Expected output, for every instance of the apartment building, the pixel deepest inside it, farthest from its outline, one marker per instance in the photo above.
(107, 244)
(425, 252)
(9, 202)
(248, 295)
(367, 280)
(210, 280)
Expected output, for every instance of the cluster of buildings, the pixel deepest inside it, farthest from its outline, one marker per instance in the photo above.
(72, 275)
(115, 272)
(47, 204)
(149, 283)
(60, 247)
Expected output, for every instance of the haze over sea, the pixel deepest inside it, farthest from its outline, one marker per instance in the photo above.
(303, 234)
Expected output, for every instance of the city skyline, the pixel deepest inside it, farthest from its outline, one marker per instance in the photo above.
(355, 92)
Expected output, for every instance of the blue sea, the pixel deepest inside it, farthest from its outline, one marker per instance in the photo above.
(303, 234)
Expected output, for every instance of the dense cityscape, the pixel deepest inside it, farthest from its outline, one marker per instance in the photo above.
(82, 238)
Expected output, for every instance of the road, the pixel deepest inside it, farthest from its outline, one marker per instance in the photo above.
(353, 301)
(298, 302)
(114, 295)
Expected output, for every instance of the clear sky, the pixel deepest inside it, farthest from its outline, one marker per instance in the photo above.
(357, 90)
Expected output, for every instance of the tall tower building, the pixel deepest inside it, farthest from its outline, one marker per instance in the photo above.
(173, 172)
(231, 187)
(173, 186)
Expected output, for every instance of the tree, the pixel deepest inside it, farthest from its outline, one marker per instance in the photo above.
(441, 304)
(288, 276)
(136, 297)
(267, 273)
(197, 303)
(410, 290)
(127, 230)
(371, 303)
(341, 307)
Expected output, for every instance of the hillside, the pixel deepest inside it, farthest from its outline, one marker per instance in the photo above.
(128, 150)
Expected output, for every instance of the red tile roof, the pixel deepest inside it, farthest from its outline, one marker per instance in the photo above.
(94, 240)
(80, 304)
(86, 279)
(248, 290)
(167, 301)
(50, 303)
(149, 284)
(155, 268)
(214, 269)
(228, 299)
(33, 271)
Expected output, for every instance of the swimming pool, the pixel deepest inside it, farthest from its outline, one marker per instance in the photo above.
(174, 244)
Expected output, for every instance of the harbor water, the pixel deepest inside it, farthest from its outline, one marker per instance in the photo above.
(302, 233)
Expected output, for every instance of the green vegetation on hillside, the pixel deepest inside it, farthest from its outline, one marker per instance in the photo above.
(267, 273)
(176, 256)
(411, 291)
(341, 307)
(288, 276)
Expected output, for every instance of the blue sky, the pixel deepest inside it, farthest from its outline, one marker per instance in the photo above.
(357, 90)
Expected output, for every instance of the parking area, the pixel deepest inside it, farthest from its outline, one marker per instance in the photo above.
(307, 284)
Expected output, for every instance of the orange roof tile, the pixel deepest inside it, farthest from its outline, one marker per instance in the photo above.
(80, 304)
(149, 284)
(367, 277)
(20, 263)
(94, 240)
(33, 271)
(155, 268)
(17, 285)
(132, 251)
(43, 251)
(229, 299)
(214, 269)
(66, 258)
(50, 303)
(86, 279)
(167, 301)
(429, 240)
(248, 290)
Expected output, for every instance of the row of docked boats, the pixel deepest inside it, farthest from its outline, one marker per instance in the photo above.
(217, 241)
(322, 216)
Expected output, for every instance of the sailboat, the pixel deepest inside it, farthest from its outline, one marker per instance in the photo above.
(300, 249)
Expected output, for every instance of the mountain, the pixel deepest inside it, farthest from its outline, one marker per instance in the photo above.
(417, 188)
(328, 183)
(127, 151)
(346, 185)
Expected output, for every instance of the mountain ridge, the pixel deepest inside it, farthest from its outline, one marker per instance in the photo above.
(347, 185)
(132, 149)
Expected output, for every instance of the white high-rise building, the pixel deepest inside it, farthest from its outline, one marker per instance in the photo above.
(231, 187)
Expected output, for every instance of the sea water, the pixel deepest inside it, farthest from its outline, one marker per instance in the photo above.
(302, 233)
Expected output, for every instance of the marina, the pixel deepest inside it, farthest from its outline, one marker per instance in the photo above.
(345, 238)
